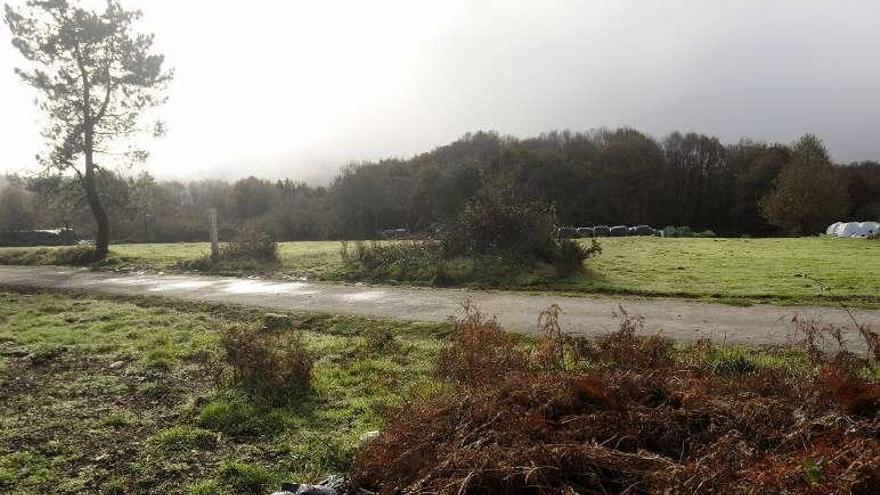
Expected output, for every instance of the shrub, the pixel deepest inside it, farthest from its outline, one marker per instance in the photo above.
(250, 243)
(479, 351)
(519, 232)
(841, 386)
(505, 227)
(250, 250)
(624, 348)
(392, 258)
(673, 231)
(627, 348)
(491, 232)
(570, 256)
(73, 255)
(272, 366)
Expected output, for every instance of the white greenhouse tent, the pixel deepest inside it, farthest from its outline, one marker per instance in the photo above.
(853, 229)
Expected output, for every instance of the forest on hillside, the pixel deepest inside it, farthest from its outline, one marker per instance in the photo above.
(620, 176)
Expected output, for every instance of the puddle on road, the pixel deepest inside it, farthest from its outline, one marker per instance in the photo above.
(257, 287)
(185, 285)
(370, 295)
(126, 281)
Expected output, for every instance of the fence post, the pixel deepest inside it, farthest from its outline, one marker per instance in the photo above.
(215, 236)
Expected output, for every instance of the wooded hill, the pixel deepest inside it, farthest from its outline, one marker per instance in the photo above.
(621, 176)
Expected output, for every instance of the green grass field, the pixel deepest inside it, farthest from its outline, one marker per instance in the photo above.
(113, 396)
(728, 270)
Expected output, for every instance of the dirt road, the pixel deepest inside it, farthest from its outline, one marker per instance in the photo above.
(678, 319)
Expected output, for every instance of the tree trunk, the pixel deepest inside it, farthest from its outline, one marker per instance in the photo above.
(102, 239)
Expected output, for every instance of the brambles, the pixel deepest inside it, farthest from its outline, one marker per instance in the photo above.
(621, 414)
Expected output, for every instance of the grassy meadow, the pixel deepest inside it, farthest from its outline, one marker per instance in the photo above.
(739, 271)
(110, 396)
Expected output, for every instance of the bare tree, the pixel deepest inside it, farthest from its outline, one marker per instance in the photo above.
(95, 78)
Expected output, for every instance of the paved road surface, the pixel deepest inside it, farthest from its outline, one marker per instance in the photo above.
(676, 318)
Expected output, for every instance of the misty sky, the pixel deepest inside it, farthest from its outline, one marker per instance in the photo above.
(299, 88)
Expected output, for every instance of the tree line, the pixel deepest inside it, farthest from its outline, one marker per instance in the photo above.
(620, 176)
(96, 75)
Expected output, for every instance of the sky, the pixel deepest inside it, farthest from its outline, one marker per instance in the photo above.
(300, 88)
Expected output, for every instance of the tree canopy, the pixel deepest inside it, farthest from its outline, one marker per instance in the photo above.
(95, 77)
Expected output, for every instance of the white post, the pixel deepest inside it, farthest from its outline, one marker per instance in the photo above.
(215, 236)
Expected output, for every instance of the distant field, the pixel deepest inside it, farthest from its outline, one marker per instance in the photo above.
(730, 270)
(738, 268)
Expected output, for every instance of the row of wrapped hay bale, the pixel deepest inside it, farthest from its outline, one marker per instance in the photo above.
(860, 230)
(26, 238)
(606, 231)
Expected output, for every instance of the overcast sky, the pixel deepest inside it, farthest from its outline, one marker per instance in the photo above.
(298, 88)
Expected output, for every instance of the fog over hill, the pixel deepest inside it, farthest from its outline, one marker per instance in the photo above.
(298, 89)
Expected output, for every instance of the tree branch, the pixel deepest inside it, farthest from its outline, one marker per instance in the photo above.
(107, 94)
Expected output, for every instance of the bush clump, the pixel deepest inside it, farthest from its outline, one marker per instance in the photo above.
(251, 244)
(522, 232)
(249, 250)
(491, 235)
(494, 226)
(391, 257)
(69, 255)
(271, 366)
